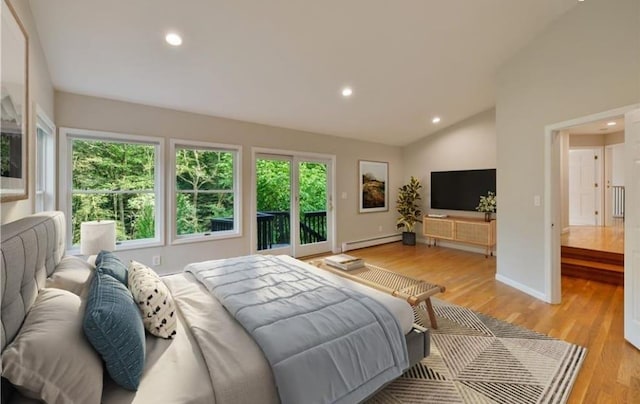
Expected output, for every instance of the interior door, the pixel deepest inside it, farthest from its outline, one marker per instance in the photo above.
(632, 229)
(584, 202)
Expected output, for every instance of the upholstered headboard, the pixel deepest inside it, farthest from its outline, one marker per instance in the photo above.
(31, 249)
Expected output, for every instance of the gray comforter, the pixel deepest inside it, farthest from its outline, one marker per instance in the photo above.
(325, 344)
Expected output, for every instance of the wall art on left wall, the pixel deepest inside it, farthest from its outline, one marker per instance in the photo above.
(14, 107)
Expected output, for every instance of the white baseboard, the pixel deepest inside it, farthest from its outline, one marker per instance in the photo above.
(458, 246)
(370, 242)
(522, 288)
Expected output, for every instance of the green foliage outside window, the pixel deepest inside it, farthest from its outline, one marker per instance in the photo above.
(313, 187)
(204, 188)
(273, 185)
(114, 181)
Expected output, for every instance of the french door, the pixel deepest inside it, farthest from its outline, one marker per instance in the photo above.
(293, 208)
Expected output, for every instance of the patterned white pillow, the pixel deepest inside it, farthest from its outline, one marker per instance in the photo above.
(154, 299)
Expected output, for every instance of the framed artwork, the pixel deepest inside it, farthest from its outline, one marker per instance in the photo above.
(14, 102)
(374, 186)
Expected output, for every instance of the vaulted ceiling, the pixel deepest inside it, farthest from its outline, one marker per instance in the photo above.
(284, 62)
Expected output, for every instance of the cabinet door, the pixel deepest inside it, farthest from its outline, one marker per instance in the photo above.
(439, 228)
(473, 232)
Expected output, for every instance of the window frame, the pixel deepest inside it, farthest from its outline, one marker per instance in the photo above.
(45, 169)
(67, 135)
(176, 239)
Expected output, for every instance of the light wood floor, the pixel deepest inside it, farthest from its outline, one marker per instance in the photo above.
(591, 313)
(610, 238)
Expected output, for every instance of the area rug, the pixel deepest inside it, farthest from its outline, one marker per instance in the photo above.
(479, 359)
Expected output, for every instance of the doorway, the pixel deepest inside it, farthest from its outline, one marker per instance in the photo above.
(595, 155)
(293, 203)
(554, 209)
(592, 243)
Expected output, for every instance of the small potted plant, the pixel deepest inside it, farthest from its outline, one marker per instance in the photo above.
(409, 210)
(487, 205)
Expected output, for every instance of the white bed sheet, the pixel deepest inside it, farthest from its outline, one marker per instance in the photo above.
(175, 373)
(211, 360)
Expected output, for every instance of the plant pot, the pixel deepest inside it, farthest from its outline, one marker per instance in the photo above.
(487, 216)
(408, 238)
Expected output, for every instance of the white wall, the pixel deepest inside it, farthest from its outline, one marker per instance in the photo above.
(617, 166)
(77, 111)
(40, 92)
(586, 141)
(562, 74)
(614, 138)
(467, 145)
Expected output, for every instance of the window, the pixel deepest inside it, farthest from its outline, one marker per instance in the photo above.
(114, 177)
(45, 162)
(206, 190)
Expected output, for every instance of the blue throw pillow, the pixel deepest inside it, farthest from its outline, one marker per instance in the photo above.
(113, 325)
(112, 266)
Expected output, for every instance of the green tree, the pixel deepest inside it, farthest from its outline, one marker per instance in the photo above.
(204, 183)
(113, 166)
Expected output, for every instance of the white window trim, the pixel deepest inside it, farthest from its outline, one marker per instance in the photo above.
(46, 124)
(237, 194)
(65, 181)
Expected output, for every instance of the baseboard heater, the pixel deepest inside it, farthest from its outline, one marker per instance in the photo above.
(370, 242)
(618, 201)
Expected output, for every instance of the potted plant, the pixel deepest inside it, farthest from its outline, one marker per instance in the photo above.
(487, 205)
(409, 210)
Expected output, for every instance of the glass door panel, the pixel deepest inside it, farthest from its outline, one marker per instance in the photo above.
(312, 179)
(273, 204)
(314, 217)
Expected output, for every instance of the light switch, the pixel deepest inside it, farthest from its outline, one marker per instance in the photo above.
(536, 200)
(343, 195)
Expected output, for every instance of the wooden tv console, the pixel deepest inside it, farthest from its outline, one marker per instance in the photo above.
(461, 229)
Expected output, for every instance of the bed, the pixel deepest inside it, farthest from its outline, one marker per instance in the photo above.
(212, 358)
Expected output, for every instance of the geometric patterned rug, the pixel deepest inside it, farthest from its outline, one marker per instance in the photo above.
(476, 358)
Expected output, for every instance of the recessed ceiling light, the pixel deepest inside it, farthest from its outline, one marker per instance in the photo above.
(347, 91)
(436, 119)
(612, 123)
(173, 39)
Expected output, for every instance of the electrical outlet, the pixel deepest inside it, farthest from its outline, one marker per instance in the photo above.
(156, 260)
(379, 229)
(536, 200)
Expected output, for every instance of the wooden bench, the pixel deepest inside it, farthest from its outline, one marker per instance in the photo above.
(414, 291)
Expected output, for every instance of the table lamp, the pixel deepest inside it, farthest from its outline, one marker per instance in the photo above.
(96, 236)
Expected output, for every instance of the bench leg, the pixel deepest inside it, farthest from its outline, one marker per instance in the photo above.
(432, 314)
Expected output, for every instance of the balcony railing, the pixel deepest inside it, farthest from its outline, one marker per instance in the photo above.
(274, 228)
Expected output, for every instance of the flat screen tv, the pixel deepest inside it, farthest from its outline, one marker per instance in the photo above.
(461, 190)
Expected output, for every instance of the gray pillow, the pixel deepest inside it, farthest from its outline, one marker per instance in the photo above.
(50, 359)
(73, 274)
